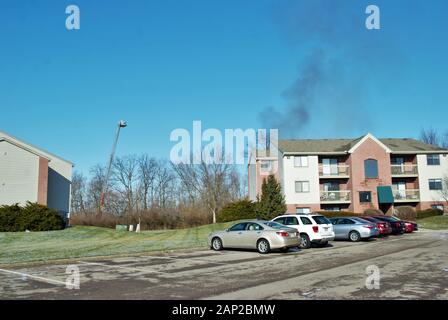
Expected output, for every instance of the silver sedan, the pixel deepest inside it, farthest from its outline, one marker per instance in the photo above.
(261, 235)
(353, 228)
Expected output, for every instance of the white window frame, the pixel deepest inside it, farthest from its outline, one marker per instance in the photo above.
(436, 179)
(301, 161)
(432, 155)
(302, 183)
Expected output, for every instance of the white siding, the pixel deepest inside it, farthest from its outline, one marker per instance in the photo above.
(59, 176)
(19, 172)
(292, 174)
(426, 172)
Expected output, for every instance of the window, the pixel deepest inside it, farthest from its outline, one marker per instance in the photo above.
(433, 160)
(365, 196)
(438, 206)
(303, 210)
(265, 166)
(332, 208)
(435, 184)
(302, 186)
(370, 169)
(280, 220)
(321, 220)
(290, 221)
(301, 161)
(238, 227)
(305, 221)
(254, 227)
(345, 221)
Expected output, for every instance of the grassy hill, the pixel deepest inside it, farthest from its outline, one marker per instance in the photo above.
(79, 242)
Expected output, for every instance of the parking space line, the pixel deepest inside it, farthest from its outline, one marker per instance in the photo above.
(42, 279)
(120, 267)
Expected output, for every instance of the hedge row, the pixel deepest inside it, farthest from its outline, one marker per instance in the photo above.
(32, 217)
(429, 213)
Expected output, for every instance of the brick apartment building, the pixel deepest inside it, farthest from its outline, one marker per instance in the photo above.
(354, 174)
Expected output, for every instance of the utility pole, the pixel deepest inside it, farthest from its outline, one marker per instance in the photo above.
(121, 124)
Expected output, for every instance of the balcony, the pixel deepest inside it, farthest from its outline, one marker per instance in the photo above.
(334, 171)
(408, 195)
(341, 196)
(404, 170)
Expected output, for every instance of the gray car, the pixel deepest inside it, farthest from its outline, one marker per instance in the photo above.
(259, 234)
(353, 228)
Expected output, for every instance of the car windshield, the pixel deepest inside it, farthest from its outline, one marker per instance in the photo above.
(321, 220)
(274, 225)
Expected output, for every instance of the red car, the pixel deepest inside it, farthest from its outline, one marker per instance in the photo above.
(409, 227)
(383, 226)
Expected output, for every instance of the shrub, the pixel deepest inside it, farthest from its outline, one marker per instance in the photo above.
(33, 217)
(429, 213)
(243, 209)
(373, 212)
(331, 214)
(150, 219)
(405, 213)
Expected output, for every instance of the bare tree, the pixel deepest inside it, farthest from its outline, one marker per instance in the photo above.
(78, 198)
(147, 169)
(444, 140)
(430, 136)
(164, 185)
(126, 175)
(211, 183)
(95, 187)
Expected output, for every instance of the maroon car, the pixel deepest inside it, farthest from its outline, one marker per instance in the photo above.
(383, 226)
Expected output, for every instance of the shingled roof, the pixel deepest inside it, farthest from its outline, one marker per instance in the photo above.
(396, 145)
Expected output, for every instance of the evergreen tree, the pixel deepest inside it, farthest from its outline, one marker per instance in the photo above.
(272, 201)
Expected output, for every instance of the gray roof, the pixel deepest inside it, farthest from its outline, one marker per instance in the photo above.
(396, 145)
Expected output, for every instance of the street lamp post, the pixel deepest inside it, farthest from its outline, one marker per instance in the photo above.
(121, 124)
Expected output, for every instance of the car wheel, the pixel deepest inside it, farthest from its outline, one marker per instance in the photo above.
(305, 242)
(217, 244)
(263, 246)
(354, 236)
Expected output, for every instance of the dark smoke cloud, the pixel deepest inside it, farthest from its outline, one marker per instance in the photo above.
(331, 80)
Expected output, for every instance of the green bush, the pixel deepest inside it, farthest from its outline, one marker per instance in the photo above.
(243, 209)
(429, 213)
(331, 214)
(33, 217)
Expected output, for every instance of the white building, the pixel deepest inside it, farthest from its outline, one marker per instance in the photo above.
(28, 173)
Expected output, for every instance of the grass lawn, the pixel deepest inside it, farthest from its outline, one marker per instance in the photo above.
(77, 242)
(436, 223)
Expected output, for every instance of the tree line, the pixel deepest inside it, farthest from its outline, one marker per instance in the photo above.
(142, 183)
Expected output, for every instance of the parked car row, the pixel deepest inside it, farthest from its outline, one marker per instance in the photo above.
(302, 230)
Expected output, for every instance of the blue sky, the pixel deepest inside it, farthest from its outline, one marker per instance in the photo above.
(162, 64)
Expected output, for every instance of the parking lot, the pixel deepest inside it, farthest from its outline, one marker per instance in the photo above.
(412, 266)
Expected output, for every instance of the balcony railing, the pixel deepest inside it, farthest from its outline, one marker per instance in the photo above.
(406, 195)
(404, 169)
(335, 196)
(334, 171)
